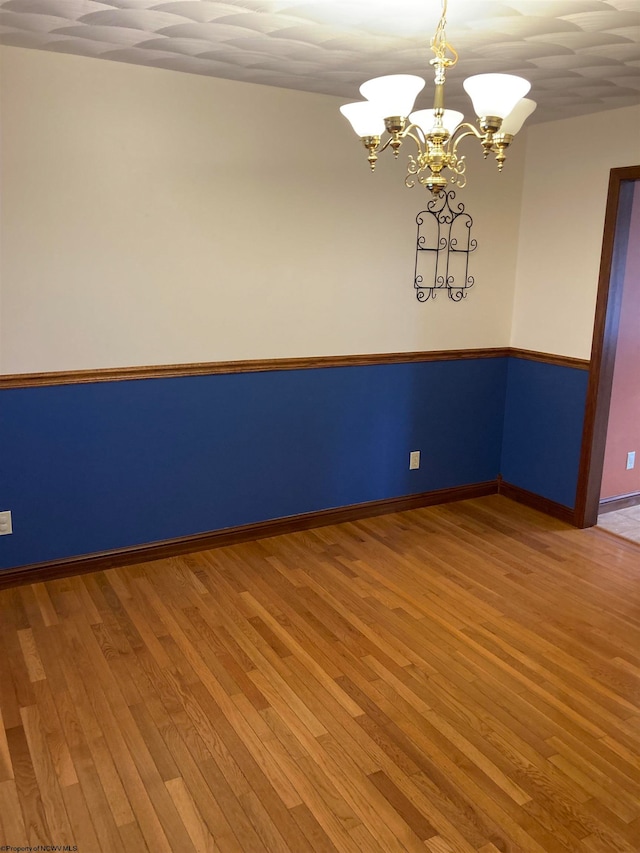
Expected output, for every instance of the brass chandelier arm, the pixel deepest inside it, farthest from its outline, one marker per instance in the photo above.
(470, 130)
(433, 159)
(413, 136)
(467, 130)
(403, 135)
(386, 145)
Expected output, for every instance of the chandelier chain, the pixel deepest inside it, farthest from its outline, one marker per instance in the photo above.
(443, 51)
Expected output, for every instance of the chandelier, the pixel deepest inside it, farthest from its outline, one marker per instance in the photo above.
(498, 100)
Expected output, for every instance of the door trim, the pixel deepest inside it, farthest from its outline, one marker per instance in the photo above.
(603, 348)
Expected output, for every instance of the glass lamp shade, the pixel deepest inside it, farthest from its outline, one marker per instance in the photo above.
(394, 94)
(425, 120)
(364, 117)
(518, 115)
(495, 94)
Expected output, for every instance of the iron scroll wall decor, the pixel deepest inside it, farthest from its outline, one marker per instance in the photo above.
(443, 247)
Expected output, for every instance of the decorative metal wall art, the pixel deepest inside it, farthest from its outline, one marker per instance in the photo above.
(443, 247)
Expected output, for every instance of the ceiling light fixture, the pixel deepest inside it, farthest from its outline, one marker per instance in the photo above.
(498, 100)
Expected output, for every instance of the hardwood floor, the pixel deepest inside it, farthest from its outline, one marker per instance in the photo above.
(458, 679)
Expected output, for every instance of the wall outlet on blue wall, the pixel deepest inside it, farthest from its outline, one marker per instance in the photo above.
(5, 523)
(414, 460)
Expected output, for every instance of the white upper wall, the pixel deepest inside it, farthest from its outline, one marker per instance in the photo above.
(561, 226)
(153, 217)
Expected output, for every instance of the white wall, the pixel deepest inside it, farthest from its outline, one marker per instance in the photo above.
(561, 226)
(153, 217)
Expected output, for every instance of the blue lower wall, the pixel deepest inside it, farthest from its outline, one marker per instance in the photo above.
(92, 467)
(543, 419)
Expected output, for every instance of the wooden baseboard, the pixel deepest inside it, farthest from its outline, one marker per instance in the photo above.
(39, 572)
(556, 510)
(623, 502)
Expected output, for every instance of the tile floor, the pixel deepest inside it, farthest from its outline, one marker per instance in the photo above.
(623, 522)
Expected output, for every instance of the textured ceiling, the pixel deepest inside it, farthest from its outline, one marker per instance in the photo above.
(581, 56)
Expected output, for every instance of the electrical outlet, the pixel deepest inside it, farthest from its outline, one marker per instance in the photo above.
(631, 460)
(5, 523)
(414, 460)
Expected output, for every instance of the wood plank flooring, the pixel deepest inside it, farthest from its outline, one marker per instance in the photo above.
(457, 679)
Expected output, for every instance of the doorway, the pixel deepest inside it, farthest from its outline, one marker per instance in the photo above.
(609, 310)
